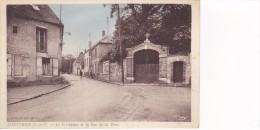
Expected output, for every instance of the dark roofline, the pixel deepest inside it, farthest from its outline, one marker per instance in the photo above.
(26, 17)
(13, 12)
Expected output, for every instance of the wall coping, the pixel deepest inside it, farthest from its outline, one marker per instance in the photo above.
(147, 45)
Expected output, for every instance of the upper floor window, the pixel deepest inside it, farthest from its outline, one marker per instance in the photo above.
(41, 39)
(15, 29)
(87, 62)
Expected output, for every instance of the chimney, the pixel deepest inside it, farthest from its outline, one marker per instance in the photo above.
(103, 33)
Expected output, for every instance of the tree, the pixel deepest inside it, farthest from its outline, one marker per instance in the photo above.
(67, 63)
(168, 24)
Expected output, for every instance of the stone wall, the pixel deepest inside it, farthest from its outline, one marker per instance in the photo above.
(115, 74)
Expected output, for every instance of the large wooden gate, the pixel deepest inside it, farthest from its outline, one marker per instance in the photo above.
(146, 66)
(178, 72)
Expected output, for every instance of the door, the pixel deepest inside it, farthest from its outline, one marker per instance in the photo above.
(146, 66)
(177, 72)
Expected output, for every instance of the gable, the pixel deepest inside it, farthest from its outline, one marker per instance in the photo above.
(147, 45)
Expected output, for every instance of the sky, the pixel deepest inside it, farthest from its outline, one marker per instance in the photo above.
(80, 20)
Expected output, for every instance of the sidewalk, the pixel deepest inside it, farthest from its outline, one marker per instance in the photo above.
(19, 94)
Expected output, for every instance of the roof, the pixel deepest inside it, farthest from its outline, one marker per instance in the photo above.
(105, 39)
(36, 12)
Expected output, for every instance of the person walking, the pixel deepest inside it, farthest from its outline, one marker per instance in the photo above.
(80, 73)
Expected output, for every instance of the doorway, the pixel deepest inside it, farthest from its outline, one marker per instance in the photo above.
(146, 66)
(178, 72)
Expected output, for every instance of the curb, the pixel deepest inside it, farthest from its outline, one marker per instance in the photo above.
(130, 84)
(65, 86)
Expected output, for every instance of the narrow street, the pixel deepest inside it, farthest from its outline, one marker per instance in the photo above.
(92, 100)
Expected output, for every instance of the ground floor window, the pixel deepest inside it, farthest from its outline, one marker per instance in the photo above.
(105, 67)
(46, 67)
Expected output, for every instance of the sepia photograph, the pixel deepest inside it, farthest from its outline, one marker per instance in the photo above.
(102, 64)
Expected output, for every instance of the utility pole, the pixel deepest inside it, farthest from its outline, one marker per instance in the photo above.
(120, 43)
(61, 44)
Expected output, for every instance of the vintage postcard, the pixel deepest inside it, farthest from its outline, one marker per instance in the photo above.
(99, 64)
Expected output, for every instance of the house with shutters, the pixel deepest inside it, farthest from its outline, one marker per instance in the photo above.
(34, 42)
(93, 56)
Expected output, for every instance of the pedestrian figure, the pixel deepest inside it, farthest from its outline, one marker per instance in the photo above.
(80, 73)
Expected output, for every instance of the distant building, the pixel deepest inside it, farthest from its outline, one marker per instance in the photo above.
(34, 36)
(95, 54)
(78, 64)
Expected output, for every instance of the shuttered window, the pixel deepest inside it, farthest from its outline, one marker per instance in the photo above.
(39, 66)
(41, 40)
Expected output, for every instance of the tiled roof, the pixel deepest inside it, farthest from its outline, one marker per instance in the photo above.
(41, 13)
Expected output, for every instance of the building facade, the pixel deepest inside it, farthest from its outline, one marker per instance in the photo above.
(34, 42)
(94, 55)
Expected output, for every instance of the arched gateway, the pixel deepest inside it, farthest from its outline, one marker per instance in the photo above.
(146, 63)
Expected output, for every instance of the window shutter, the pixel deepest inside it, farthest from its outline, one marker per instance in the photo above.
(39, 66)
(51, 66)
(55, 67)
(9, 65)
(18, 66)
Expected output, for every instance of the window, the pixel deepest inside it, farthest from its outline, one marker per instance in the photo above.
(47, 66)
(41, 40)
(105, 67)
(94, 68)
(95, 52)
(15, 29)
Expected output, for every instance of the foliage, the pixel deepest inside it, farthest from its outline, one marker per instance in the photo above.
(168, 24)
(67, 64)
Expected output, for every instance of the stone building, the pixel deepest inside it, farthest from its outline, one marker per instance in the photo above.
(150, 63)
(94, 55)
(34, 42)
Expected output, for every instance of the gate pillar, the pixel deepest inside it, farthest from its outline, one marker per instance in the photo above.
(129, 69)
(163, 67)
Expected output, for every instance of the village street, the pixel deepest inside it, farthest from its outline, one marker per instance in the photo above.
(92, 100)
